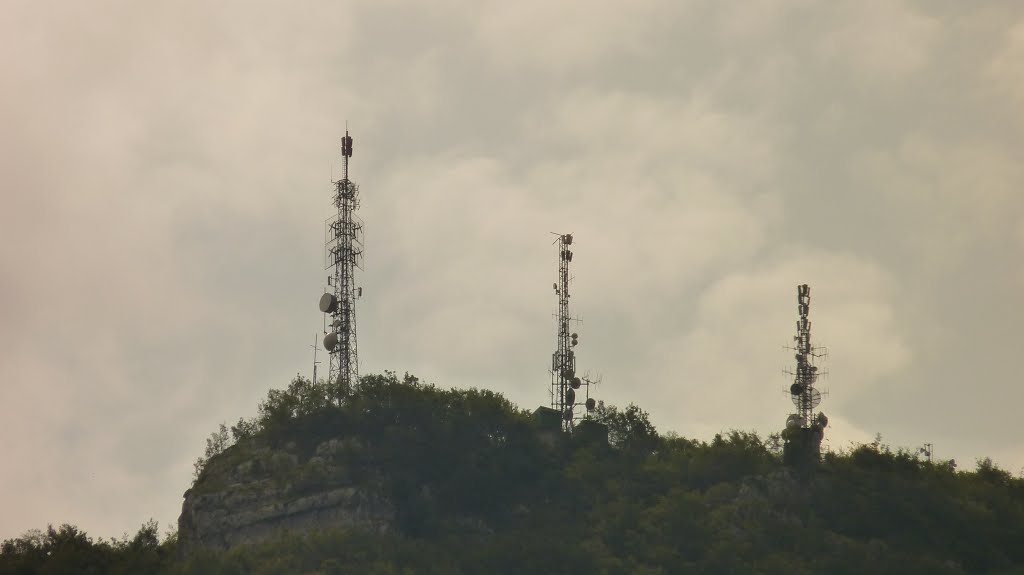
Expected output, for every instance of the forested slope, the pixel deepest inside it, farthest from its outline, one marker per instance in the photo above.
(476, 487)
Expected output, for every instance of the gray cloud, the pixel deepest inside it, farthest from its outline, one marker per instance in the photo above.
(166, 179)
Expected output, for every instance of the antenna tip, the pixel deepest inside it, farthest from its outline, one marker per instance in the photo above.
(346, 145)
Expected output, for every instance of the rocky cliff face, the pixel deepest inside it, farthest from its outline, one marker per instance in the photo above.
(251, 492)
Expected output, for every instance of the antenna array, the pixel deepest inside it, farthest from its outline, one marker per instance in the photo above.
(926, 450)
(804, 427)
(343, 252)
(568, 390)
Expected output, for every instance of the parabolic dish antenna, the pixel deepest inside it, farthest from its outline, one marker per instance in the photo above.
(328, 303)
(814, 397)
(330, 341)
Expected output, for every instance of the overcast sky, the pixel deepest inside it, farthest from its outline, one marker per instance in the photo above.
(166, 174)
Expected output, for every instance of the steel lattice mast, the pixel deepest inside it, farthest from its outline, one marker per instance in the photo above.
(805, 396)
(564, 381)
(803, 392)
(344, 251)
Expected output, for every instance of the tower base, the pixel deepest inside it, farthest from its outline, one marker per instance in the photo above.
(802, 446)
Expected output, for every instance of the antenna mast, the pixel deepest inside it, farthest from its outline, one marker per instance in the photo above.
(804, 429)
(343, 250)
(565, 384)
(315, 362)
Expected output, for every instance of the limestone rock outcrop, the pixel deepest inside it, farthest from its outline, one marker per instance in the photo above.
(251, 492)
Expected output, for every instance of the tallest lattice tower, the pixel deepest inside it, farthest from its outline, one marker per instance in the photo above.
(343, 250)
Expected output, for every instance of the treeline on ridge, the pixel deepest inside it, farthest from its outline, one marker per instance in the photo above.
(478, 490)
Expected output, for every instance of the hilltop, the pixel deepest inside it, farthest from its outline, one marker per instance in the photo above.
(409, 478)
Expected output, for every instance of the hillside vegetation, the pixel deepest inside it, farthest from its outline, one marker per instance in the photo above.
(478, 488)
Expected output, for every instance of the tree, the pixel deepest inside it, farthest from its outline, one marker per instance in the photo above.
(215, 444)
(629, 429)
(989, 472)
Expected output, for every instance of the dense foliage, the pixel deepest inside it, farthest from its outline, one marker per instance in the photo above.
(67, 550)
(480, 489)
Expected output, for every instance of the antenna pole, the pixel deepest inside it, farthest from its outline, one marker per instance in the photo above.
(315, 362)
(344, 249)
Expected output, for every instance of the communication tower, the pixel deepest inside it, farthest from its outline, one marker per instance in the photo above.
(804, 429)
(570, 393)
(926, 450)
(343, 252)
